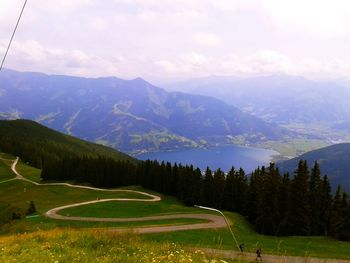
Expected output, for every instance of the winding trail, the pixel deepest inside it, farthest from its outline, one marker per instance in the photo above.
(214, 221)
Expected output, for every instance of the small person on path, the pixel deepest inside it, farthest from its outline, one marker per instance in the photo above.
(241, 247)
(258, 254)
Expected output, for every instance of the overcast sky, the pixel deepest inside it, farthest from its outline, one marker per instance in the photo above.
(179, 39)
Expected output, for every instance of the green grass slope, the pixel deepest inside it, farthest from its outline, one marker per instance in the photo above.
(97, 246)
(35, 143)
(334, 161)
(5, 172)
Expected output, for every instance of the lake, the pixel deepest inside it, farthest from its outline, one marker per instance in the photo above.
(224, 157)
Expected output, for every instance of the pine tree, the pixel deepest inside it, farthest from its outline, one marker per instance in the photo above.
(250, 209)
(283, 197)
(337, 221)
(218, 187)
(326, 205)
(299, 209)
(208, 188)
(315, 200)
(346, 231)
(268, 214)
(235, 191)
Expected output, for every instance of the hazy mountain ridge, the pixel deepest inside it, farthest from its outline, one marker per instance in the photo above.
(130, 115)
(281, 99)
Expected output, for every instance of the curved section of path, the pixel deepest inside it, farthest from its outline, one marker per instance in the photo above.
(154, 198)
(214, 221)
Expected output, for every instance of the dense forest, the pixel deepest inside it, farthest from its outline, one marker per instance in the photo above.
(275, 204)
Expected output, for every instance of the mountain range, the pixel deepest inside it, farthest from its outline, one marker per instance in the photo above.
(297, 103)
(130, 115)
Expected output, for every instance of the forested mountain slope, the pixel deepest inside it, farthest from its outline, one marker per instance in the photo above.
(334, 161)
(35, 144)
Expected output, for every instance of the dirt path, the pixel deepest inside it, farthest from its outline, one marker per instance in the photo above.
(214, 221)
(154, 198)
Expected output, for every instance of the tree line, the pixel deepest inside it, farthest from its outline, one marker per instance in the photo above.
(274, 203)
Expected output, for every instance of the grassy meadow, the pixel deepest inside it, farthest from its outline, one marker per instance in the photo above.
(72, 246)
(168, 206)
(5, 172)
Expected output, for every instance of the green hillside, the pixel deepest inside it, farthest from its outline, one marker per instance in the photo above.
(36, 144)
(334, 161)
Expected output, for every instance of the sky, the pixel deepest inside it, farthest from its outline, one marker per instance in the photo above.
(167, 40)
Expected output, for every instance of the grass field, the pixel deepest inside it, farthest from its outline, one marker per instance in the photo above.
(29, 225)
(5, 171)
(222, 239)
(73, 246)
(168, 206)
(19, 193)
(30, 172)
(5, 167)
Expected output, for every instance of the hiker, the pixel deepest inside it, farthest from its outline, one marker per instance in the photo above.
(258, 254)
(241, 247)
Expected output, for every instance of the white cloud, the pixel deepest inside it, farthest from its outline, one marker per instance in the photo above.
(327, 18)
(207, 39)
(179, 38)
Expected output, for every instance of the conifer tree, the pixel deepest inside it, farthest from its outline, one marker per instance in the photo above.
(299, 209)
(283, 205)
(326, 205)
(315, 200)
(235, 191)
(218, 187)
(268, 214)
(208, 191)
(251, 201)
(337, 221)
